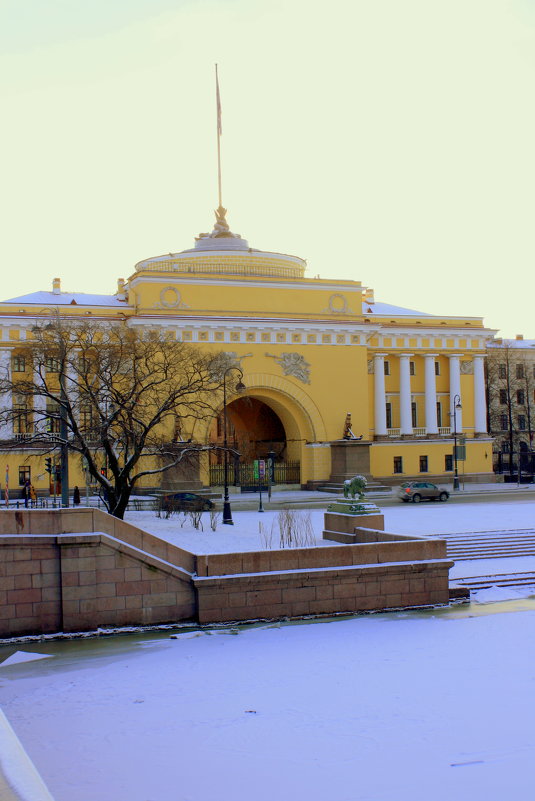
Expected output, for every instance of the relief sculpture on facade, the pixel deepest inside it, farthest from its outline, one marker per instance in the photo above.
(293, 364)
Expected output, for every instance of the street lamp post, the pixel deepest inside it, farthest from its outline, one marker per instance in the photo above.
(456, 406)
(63, 432)
(227, 514)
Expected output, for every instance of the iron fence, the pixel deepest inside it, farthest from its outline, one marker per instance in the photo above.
(243, 474)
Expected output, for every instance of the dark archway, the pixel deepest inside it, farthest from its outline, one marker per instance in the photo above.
(253, 429)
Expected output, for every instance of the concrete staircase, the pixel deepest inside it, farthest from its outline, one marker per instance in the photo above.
(492, 545)
(499, 580)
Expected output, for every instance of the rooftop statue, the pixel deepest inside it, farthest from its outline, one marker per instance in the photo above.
(221, 227)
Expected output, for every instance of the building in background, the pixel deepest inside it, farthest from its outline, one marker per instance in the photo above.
(510, 375)
(311, 350)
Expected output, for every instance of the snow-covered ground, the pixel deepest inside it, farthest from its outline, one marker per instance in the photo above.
(422, 705)
(419, 706)
(428, 519)
(425, 519)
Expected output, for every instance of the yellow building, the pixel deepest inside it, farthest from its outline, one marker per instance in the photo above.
(311, 350)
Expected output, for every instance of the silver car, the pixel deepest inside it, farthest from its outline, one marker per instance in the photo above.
(417, 491)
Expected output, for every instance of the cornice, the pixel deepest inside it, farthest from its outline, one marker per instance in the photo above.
(234, 281)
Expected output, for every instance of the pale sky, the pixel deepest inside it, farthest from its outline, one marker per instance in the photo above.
(387, 141)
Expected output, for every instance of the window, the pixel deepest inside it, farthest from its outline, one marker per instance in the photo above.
(503, 396)
(520, 397)
(21, 424)
(522, 422)
(423, 464)
(389, 415)
(439, 413)
(387, 368)
(448, 462)
(25, 474)
(504, 422)
(52, 417)
(412, 370)
(86, 418)
(520, 370)
(505, 447)
(52, 365)
(84, 365)
(437, 368)
(19, 364)
(398, 464)
(502, 371)
(414, 414)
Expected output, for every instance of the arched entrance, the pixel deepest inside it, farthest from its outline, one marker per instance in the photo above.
(256, 432)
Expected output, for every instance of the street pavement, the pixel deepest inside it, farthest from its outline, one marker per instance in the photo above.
(300, 499)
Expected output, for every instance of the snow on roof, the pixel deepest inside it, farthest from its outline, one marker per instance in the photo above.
(513, 343)
(387, 308)
(66, 298)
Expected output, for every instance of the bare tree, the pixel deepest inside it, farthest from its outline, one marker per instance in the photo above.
(510, 388)
(126, 398)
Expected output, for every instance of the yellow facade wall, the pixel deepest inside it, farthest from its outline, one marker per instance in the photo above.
(478, 458)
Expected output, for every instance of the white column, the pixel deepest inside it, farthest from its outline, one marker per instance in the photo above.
(480, 406)
(455, 389)
(379, 394)
(430, 394)
(6, 401)
(39, 418)
(405, 393)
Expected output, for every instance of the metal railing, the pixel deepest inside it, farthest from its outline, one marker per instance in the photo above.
(244, 474)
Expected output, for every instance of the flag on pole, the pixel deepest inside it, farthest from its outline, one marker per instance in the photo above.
(6, 491)
(218, 100)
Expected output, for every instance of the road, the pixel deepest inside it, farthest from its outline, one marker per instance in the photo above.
(523, 493)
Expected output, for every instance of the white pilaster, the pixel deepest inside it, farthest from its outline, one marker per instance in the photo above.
(405, 393)
(431, 423)
(379, 394)
(39, 417)
(455, 389)
(6, 401)
(480, 406)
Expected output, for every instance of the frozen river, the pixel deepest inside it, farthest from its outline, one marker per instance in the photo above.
(421, 705)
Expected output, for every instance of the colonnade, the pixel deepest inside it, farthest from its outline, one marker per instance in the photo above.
(405, 397)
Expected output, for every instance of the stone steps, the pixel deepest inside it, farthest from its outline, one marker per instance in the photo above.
(499, 580)
(490, 544)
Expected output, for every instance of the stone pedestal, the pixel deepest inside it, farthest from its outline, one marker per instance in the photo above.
(350, 457)
(345, 515)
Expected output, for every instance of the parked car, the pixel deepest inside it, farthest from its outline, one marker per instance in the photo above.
(185, 502)
(417, 491)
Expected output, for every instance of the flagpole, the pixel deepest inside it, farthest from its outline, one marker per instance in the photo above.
(218, 110)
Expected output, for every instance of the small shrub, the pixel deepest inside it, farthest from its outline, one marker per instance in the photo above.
(214, 519)
(266, 536)
(195, 515)
(295, 529)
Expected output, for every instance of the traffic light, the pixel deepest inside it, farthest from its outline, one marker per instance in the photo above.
(48, 465)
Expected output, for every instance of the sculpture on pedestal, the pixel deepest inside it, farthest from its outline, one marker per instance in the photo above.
(354, 487)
